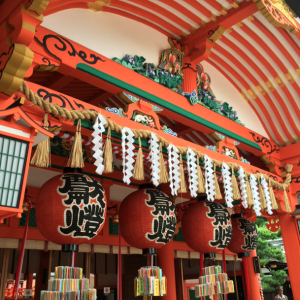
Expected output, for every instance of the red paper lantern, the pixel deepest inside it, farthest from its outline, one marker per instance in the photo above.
(147, 218)
(70, 208)
(244, 235)
(206, 227)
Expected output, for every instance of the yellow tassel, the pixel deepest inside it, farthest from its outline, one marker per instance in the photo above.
(249, 192)
(218, 195)
(42, 157)
(138, 172)
(263, 203)
(163, 173)
(182, 188)
(108, 158)
(272, 196)
(76, 157)
(235, 187)
(201, 183)
(287, 202)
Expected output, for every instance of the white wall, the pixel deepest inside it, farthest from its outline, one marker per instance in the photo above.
(226, 92)
(108, 34)
(114, 36)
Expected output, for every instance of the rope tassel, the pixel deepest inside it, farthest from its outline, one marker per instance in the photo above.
(138, 172)
(287, 202)
(263, 203)
(249, 192)
(218, 195)
(182, 183)
(76, 157)
(108, 158)
(201, 182)
(163, 174)
(42, 157)
(272, 196)
(235, 187)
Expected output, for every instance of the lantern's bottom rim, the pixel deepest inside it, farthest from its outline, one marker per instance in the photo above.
(149, 251)
(72, 170)
(69, 248)
(210, 255)
(237, 216)
(243, 254)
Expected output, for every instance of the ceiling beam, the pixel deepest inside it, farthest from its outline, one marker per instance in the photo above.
(99, 98)
(59, 81)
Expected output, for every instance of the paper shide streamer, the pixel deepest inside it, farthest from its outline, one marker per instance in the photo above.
(255, 194)
(227, 185)
(127, 154)
(209, 179)
(265, 187)
(243, 187)
(154, 159)
(174, 174)
(98, 143)
(192, 171)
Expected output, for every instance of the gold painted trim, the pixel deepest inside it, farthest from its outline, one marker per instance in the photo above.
(97, 6)
(244, 96)
(235, 4)
(214, 18)
(28, 27)
(289, 77)
(47, 68)
(217, 34)
(261, 90)
(15, 69)
(270, 86)
(252, 94)
(38, 6)
(224, 11)
(282, 7)
(279, 81)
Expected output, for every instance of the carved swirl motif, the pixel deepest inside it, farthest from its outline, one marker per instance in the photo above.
(62, 44)
(188, 66)
(271, 176)
(265, 142)
(296, 179)
(45, 95)
(48, 63)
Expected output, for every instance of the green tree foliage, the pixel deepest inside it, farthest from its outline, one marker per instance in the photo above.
(268, 252)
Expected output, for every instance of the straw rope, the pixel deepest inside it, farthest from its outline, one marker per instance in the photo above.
(85, 114)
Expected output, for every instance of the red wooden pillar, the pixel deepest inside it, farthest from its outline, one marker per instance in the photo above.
(290, 239)
(190, 75)
(165, 260)
(29, 279)
(253, 279)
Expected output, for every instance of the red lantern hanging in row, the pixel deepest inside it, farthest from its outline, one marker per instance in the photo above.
(71, 209)
(244, 240)
(244, 236)
(147, 219)
(206, 227)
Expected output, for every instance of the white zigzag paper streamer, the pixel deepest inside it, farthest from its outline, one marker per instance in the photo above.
(192, 171)
(154, 159)
(255, 194)
(127, 153)
(243, 187)
(174, 174)
(227, 185)
(209, 179)
(265, 187)
(98, 143)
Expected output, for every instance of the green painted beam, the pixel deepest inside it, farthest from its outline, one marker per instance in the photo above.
(161, 102)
